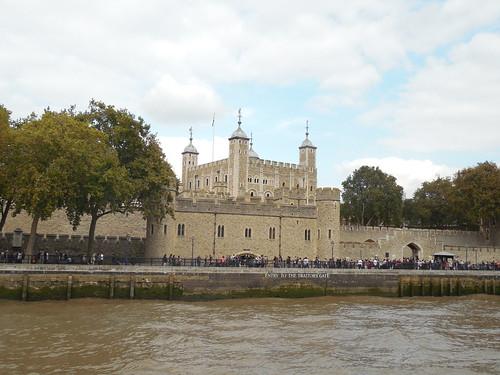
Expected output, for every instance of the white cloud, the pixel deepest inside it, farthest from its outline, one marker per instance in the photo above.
(450, 104)
(409, 173)
(181, 103)
(55, 53)
(174, 146)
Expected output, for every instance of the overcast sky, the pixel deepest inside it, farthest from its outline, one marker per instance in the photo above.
(410, 86)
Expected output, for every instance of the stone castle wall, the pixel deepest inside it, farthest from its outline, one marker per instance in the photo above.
(115, 233)
(275, 229)
(367, 242)
(118, 246)
(133, 225)
(263, 176)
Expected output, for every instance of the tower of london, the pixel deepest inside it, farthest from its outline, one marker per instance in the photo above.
(248, 204)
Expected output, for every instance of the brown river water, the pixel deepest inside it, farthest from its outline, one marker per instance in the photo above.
(330, 335)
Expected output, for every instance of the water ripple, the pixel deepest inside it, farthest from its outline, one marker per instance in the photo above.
(264, 336)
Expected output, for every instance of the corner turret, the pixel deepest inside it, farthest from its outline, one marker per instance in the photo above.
(189, 160)
(238, 161)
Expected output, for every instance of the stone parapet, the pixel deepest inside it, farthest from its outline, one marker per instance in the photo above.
(327, 194)
(256, 208)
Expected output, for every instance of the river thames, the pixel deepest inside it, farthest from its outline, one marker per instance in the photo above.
(341, 335)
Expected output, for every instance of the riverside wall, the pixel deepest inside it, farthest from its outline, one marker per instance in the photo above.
(40, 282)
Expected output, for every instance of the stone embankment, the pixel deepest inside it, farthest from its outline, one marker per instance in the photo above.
(40, 282)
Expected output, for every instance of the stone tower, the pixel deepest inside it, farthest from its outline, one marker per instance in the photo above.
(160, 230)
(189, 160)
(307, 159)
(238, 161)
(328, 221)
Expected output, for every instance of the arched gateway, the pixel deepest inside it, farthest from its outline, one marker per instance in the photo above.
(412, 250)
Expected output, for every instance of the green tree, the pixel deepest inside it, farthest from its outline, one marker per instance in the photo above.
(6, 166)
(410, 214)
(431, 203)
(51, 152)
(476, 194)
(372, 197)
(140, 158)
(100, 184)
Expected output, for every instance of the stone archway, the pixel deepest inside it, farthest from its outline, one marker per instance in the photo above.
(412, 251)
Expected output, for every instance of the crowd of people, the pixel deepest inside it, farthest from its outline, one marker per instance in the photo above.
(246, 260)
(338, 263)
(44, 257)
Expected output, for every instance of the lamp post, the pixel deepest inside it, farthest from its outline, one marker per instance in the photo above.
(192, 251)
(127, 255)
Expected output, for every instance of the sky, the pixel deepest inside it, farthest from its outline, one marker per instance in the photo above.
(410, 86)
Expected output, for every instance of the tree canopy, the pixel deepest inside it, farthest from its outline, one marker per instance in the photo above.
(97, 162)
(131, 175)
(6, 166)
(476, 194)
(471, 199)
(50, 153)
(372, 197)
(432, 204)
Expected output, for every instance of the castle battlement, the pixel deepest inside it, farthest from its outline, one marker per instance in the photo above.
(240, 207)
(327, 194)
(272, 163)
(414, 231)
(210, 164)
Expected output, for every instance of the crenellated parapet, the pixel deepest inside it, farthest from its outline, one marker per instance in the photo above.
(327, 194)
(241, 207)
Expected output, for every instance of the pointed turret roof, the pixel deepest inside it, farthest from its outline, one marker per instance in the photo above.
(190, 147)
(251, 152)
(307, 142)
(239, 133)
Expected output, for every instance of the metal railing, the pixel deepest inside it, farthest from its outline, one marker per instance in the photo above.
(229, 261)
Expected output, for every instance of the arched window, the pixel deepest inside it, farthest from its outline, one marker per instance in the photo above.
(251, 193)
(248, 232)
(180, 230)
(307, 235)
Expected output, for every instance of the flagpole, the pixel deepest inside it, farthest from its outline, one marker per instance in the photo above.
(213, 137)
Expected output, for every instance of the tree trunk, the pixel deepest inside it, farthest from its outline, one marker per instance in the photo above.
(5, 212)
(93, 223)
(31, 241)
